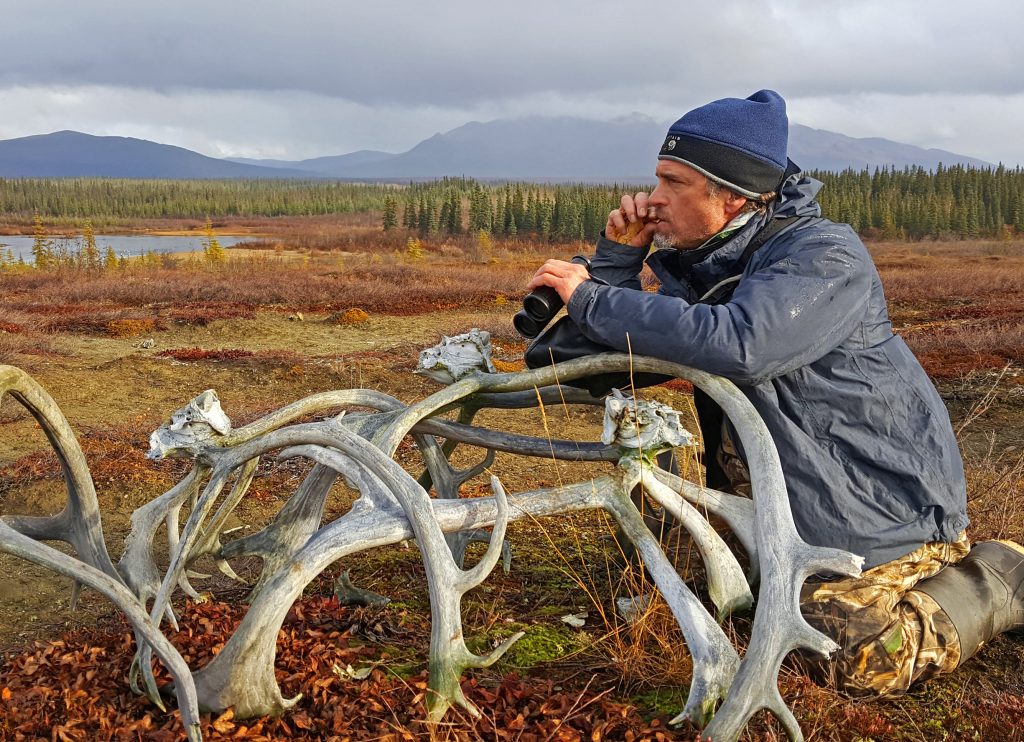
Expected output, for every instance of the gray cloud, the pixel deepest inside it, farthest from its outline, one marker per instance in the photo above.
(311, 77)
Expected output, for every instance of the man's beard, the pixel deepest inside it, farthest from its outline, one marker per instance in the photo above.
(662, 241)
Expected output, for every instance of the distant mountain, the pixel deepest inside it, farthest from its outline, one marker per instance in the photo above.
(817, 149)
(531, 148)
(323, 165)
(73, 154)
(559, 148)
(538, 148)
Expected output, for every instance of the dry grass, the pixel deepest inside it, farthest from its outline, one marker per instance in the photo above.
(76, 302)
(960, 305)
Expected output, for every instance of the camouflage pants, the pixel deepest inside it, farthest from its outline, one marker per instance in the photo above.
(889, 634)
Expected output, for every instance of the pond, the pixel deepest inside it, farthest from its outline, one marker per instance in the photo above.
(129, 245)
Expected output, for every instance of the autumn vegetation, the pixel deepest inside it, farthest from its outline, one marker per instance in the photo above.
(351, 262)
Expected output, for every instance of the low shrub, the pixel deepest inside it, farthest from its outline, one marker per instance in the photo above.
(204, 354)
(200, 315)
(353, 316)
(126, 328)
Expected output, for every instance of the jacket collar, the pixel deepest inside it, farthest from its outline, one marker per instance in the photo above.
(690, 273)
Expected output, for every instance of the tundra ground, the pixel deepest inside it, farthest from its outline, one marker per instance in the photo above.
(270, 327)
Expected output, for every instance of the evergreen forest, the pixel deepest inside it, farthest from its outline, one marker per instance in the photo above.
(910, 204)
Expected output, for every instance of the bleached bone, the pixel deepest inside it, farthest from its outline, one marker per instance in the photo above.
(241, 676)
(569, 371)
(522, 445)
(456, 357)
(644, 426)
(393, 508)
(714, 659)
(786, 560)
(190, 426)
(446, 582)
(643, 429)
(736, 511)
(137, 565)
(447, 482)
(209, 542)
(786, 563)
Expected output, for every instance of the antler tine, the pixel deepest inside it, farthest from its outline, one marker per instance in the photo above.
(714, 659)
(447, 482)
(137, 565)
(726, 584)
(291, 529)
(19, 545)
(736, 511)
(209, 541)
(79, 524)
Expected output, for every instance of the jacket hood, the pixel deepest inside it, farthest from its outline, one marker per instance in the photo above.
(797, 197)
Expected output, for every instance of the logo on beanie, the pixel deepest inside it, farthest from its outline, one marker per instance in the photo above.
(670, 145)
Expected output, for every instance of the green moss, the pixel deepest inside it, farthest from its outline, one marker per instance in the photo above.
(662, 701)
(404, 670)
(555, 610)
(543, 643)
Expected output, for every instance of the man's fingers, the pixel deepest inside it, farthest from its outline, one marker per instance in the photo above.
(552, 270)
(616, 224)
(627, 207)
(640, 204)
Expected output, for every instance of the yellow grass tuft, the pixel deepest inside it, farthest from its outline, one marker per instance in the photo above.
(126, 328)
(353, 316)
(507, 366)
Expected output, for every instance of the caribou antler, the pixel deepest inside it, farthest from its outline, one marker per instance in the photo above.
(393, 507)
(79, 524)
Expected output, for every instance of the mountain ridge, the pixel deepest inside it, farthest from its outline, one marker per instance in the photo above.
(68, 154)
(529, 148)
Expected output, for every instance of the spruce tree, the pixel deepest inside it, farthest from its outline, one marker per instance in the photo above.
(390, 218)
(42, 245)
(90, 253)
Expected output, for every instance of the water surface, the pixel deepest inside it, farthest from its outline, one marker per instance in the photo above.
(129, 245)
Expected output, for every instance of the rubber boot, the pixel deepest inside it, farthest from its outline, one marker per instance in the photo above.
(982, 594)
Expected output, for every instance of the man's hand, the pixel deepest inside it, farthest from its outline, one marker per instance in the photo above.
(561, 276)
(628, 224)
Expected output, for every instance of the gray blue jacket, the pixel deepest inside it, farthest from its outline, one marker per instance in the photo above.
(869, 454)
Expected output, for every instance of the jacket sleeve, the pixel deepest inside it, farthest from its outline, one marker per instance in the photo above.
(617, 265)
(782, 316)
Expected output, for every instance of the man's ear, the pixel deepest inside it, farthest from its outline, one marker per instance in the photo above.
(733, 204)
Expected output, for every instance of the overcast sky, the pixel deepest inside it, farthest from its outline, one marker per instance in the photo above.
(307, 78)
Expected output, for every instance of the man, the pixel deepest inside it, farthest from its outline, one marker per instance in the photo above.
(800, 324)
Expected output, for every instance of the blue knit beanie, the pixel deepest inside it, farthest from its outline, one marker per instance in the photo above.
(740, 144)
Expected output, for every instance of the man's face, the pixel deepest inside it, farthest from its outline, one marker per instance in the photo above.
(686, 216)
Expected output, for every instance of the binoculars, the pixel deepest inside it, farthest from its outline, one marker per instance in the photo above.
(540, 306)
